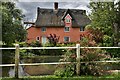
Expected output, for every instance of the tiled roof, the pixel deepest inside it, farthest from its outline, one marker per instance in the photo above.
(51, 17)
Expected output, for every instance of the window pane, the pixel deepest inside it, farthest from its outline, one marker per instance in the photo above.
(81, 28)
(67, 20)
(67, 29)
(37, 38)
(66, 39)
(43, 29)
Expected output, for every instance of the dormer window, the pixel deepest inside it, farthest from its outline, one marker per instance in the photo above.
(67, 20)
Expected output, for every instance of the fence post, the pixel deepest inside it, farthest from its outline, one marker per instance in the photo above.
(17, 61)
(78, 59)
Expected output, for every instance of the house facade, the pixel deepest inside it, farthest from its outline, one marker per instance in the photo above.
(67, 24)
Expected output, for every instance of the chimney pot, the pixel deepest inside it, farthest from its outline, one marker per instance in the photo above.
(56, 5)
(38, 11)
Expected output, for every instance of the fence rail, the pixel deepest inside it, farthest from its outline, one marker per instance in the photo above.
(36, 64)
(77, 47)
(60, 48)
(101, 47)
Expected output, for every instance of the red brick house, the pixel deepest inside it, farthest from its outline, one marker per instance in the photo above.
(68, 24)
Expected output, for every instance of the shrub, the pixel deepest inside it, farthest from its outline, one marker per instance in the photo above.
(32, 52)
(92, 68)
(88, 54)
(60, 72)
(67, 70)
(114, 53)
(53, 39)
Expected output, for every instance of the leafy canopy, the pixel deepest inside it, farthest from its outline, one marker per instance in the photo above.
(104, 16)
(12, 29)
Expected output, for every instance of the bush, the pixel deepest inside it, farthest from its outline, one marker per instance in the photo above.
(31, 52)
(60, 72)
(107, 41)
(65, 70)
(114, 53)
(92, 38)
(88, 55)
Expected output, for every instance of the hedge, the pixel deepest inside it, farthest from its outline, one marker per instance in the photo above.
(64, 78)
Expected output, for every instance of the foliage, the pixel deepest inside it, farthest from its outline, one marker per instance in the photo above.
(69, 56)
(117, 22)
(93, 36)
(104, 17)
(53, 39)
(7, 56)
(95, 33)
(65, 70)
(32, 52)
(108, 24)
(92, 55)
(51, 77)
(50, 52)
(114, 53)
(88, 54)
(29, 52)
(100, 17)
(107, 40)
(60, 72)
(12, 29)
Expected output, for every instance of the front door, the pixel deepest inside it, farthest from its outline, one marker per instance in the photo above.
(44, 39)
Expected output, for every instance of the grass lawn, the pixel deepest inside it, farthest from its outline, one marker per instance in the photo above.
(65, 78)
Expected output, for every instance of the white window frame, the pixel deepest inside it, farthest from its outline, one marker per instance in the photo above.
(83, 29)
(68, 20)
(68, 37)
(43, 29)
(38, 38)
(65, 29)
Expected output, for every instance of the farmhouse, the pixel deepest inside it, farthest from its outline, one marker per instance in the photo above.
(66, 24)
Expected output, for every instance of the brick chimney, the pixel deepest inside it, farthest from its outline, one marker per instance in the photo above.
(56, 5)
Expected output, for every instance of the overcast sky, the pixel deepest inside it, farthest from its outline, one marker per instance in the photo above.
(30, 8)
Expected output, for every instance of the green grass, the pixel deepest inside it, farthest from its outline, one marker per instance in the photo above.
(65, 78)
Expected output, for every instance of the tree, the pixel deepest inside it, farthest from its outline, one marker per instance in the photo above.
(103, 17)
(12, 29)
(117, 23)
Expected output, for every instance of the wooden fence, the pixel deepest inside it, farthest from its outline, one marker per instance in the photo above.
(77, 47)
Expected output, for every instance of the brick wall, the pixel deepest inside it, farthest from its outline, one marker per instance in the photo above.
(74, 33)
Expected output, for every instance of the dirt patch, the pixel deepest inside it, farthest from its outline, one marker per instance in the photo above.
(40, 70)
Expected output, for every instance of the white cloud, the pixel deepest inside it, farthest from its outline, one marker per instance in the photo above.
(30, 8)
